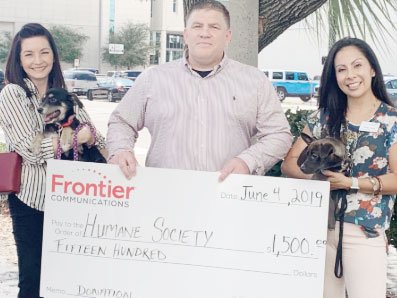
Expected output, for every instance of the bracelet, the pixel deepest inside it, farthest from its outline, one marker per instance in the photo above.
(380, 189)
(375, 186)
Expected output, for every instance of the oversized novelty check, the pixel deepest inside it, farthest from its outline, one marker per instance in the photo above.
(181, 234)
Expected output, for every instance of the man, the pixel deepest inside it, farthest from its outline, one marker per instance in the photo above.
(202, 111)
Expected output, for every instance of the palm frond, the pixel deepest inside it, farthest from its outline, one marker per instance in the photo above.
(360, 18)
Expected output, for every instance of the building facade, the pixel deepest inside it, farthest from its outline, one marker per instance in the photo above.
(96, 19)
(166, 25)
(81, 16)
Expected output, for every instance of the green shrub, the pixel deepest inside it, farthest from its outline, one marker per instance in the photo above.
(392, 231)
(297, 121)
(2, 147)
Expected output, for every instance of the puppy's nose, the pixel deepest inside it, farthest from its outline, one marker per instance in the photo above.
(40, 110)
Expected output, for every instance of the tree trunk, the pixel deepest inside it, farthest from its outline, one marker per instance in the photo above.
(276, 16)
(244, 24)
(279, 15)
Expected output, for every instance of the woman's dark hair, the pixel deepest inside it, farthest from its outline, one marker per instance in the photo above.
(14, 71)
(332, 100)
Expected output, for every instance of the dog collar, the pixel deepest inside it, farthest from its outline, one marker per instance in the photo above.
(70, 120)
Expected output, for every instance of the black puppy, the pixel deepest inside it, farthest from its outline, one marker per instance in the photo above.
(58, 108)
(324, 154)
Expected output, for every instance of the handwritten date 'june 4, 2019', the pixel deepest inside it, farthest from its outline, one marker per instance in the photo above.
(276, 194)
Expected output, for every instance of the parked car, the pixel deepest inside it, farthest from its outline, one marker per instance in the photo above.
(115, 88)
(132, 74)
(79, 81)
(291, 83)
(115, 74)
(2, 79)
(92, 69)
(391, 88)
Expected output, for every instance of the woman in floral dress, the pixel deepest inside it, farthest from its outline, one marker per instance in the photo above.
(354, 107)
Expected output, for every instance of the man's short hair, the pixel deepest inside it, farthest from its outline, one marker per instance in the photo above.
(210, 4)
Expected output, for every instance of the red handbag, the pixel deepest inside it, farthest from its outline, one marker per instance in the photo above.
(10, 172)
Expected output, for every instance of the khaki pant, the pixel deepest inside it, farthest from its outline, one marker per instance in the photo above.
(364, 264)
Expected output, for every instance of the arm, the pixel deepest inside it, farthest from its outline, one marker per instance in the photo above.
(274, 136)
(389, 179)
(124, 123)
(20, 125)
(84, 135)
(289, 166)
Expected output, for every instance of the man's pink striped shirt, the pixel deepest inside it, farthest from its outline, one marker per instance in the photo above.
(200, 123)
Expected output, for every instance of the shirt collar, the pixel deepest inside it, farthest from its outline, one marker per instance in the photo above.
(217, 68)
(31, 87)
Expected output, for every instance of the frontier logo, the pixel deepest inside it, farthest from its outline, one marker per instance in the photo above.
(102, 192)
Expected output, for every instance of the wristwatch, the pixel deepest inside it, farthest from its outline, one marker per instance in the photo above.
(355, 183)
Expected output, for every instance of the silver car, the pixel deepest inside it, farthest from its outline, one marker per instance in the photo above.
(391, 88)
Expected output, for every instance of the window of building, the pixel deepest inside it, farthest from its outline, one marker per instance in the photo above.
(174, 41)
(172, 55)
(174, 47)
(174, 4)
(155, 38)
(154, 59)
(158, 36)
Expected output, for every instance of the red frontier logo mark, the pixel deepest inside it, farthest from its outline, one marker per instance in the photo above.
(102, 188)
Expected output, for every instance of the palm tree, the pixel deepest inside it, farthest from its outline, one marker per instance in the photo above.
(360, 18)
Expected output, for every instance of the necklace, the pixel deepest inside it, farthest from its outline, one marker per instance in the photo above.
(352, 139)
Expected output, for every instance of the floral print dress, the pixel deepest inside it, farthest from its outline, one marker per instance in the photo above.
(368, 152)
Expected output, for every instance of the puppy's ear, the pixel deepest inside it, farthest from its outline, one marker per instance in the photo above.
(302, 157)
(306, 138)
(77, 104)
